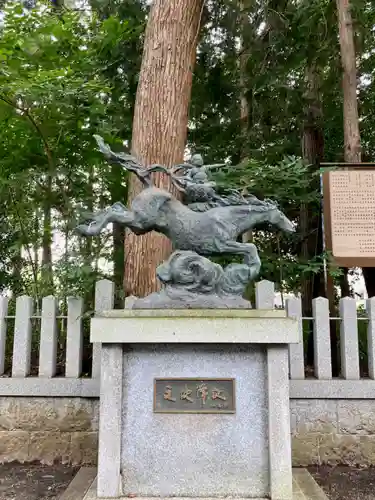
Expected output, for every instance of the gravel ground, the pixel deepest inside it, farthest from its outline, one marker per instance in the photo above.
(345, 483)
(34, 482)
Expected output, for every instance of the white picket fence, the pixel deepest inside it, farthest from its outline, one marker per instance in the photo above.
(18, 382)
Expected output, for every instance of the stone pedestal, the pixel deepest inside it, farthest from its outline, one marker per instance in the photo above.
(145, 453)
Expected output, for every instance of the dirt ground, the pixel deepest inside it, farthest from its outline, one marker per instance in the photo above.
(39, 482)
(34, 482)
(345, 483)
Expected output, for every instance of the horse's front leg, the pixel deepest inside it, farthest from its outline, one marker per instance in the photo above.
(97, 216)
(117, 213)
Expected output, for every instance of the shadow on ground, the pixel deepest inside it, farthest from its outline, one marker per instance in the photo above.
(34, 481)
(345, 483)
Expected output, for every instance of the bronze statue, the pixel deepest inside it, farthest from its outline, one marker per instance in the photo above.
(205, 224)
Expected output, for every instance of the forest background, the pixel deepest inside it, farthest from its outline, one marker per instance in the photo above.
(267, 97)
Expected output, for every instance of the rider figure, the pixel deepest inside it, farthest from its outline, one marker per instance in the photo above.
(200, 193)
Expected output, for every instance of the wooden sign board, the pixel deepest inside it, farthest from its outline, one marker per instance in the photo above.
(349, 215)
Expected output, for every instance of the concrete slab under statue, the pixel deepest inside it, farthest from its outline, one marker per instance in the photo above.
(194, 388)
(230, 437)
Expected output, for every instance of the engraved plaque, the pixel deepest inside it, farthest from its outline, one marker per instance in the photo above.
(350, 216)
(194, 395)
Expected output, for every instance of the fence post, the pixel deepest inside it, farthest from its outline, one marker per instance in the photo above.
(296, 355)
(3, 331)
(22, 337)
(48, 338)
(264, 295)
(104, 301)
(74, 338)
(349, 339)
(322, 339)
(370, 309)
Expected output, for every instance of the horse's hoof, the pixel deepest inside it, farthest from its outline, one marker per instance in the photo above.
(91, 216)
(87, 215)
(84, 230)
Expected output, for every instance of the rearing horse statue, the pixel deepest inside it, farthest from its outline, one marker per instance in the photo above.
(214, 231)
(208, 233)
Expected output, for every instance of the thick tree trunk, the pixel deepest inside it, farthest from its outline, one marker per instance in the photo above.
(160, 121)
(352, 140)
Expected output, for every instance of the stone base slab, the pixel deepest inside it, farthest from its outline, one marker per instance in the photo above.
(83, 487)
(189, 455)
(192, 326)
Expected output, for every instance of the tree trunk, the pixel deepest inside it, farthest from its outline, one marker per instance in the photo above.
(160, 121)
(17, 265)
(369, 277)
(310, 214)
(352, 139)
(36, 242)
(47, 276)
(344, 283)
(118, 191)
(244, 50)
(88, 251)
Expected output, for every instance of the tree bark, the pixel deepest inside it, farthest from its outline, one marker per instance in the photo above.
(310, 214)
(47, 274)
(352, 139)
(160, 121)
(244, 50)
(17, 265)
(118, 191)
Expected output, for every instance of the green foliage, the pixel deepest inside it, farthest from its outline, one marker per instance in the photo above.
(261, 52)
(289, 183)
(65, 75)
(54, 95)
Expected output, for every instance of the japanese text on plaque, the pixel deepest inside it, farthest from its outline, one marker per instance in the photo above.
(194, 396)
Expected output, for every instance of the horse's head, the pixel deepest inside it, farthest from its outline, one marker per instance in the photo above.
(280, 220)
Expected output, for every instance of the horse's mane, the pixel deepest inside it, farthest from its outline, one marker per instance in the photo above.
(262, 205)
(144, 175)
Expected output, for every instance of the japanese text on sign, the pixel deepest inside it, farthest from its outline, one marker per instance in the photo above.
(352, 200)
